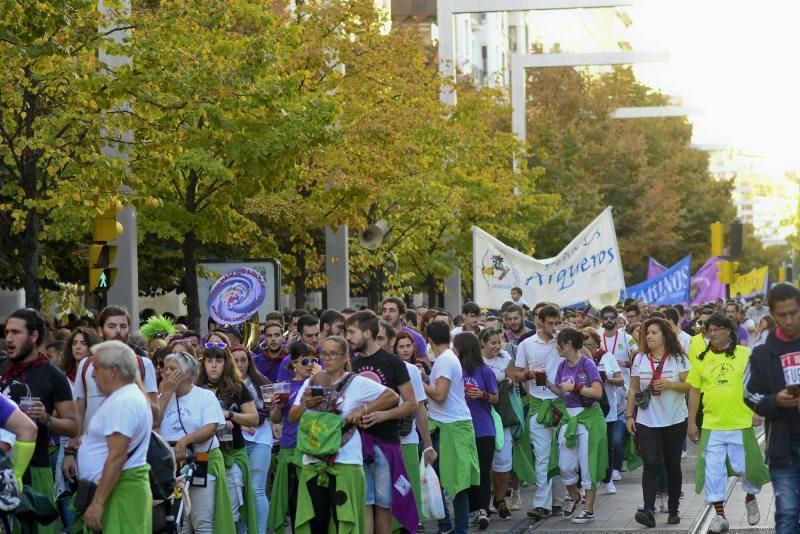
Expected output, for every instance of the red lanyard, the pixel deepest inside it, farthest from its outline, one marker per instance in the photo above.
(614, 346)
(656, 376)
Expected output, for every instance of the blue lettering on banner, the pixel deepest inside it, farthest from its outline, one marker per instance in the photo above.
(566, 277)
(670, 287)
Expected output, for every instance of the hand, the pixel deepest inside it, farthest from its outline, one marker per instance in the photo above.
(276, 401)
(36, 412)
(93, 516)
(566, 387)
(170, 382)
(373, 418)
(785, 399)
(693, 432)
(180, 450)
(475, 393)
(309, 401)
(422, 373)
(70, 469)
(623, 363)
(354, 417)
(757, 420)
(277, 431)
(630, 424)
(660, 384)
(229, 425)
(429, 456)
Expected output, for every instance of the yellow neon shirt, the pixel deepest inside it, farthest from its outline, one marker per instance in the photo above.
(721, 380)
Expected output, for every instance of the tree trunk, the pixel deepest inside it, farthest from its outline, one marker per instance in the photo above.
(30, 259)
(189, 248)
(430, 283)
(300, 281)
(374, 289)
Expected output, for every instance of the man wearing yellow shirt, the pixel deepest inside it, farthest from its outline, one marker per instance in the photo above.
(718, 373)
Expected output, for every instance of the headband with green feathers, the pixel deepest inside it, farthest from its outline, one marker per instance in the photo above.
(157, 327)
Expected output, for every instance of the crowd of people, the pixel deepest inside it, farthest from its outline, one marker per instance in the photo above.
(325, 420)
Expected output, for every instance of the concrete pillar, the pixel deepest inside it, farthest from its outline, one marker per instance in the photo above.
(337, 267)
(452, 292)
(126, 291)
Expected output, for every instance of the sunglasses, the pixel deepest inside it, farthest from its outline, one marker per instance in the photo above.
(216, 344)
(700, 322)
(609, 317)
(756, 302)
(305, 362)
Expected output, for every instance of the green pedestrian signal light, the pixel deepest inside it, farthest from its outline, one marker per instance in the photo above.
(102, 279)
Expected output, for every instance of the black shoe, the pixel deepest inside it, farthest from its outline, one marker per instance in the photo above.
(557, 510)
(674, 519)
(646, 518)
(483, 520)
(502, 510)
(539, 512)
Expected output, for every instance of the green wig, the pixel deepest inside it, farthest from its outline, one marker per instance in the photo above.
(157, 327)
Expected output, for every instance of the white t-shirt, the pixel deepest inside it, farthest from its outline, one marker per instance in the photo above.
(358, 392)
(419, 396)
(262, 434)
(611, 366)
(126, 412)
(751, 336)
(534, 352)
(685, 340)
(619, 345)
(454, 408)
(95, 398)
(498, 364)
(666, 409)
(198, 408)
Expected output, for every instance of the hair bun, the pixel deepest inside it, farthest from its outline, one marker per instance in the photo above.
(585, 336)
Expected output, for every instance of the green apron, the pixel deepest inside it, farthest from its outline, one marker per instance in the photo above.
(458, 468)
(349, 480)
(223, 513)
(129, 508)
(632, 460)
(279, 499)
(592, 418)
(540, 408)
(42, 482)
(411, 461)
(755, 470)
(247, 512)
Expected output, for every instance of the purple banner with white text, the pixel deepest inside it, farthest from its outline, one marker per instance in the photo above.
(706, 287)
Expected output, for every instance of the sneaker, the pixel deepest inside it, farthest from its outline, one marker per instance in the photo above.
(718, 524)
(483, 520)
(662, 506)
(611, 489)
(646, 518)
(673, 519)
(492, 508)
(420, 528)
(684, 455)
(516, 501)
(569, 508)
(502, 511)
(615, 476)
(585, 516)
(539, 512)
(753, 515)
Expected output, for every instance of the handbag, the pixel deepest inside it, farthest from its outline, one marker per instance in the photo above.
(642, 398)
(322, 434)
(503, 405)
(84, 495)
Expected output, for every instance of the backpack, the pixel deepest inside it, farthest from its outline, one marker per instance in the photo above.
(162, 467)
(89, 361)
(322, 434)
(9, 488)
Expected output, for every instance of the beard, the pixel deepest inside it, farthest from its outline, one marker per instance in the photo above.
(361, 346)
(25, 350)
(610, 325)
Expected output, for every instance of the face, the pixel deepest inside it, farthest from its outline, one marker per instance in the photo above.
(491, 346)
(590, 344)
(213, 338)
(214, 368)
(115, 328)
(405, 348)
(471, 320)
(333, 358)
(53, 355)
(631, 315)
(390, 313)
(104, 376)
(336, 328)
(19, 343)
(620, 322)
(172, 366)
(731, 312)
(655, 338)
(421, 310)
(492, 323)
(609, 320)
(382, 340)
(787, 317)
(242, 360)
(303, 366)
(310, 335)
(274, 338)
(550, 324)
(762, 324)
(758, 302)
(719, 337)
(515, 322)
(515, 295)
(355, 337)
(293, 325)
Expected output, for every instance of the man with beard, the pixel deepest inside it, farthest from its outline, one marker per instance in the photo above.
(381, 430)
(41, 389)
(331, 323)
(113, 324)
(392, 310)
(515, 318)
(269, 361)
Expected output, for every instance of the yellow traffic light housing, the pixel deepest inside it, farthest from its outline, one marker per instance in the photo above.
(102, 273)
(102, 279)
(105, 227)
(717, 240)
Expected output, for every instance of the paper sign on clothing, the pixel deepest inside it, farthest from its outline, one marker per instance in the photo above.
(590, 265)
(791, 368)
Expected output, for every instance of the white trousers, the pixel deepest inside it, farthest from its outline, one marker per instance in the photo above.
(501, 462)
(724, 444)
(572, 461)
(547, 491)
(201, 518)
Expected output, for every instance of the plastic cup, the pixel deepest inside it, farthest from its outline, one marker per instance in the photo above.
(27, 402)
(267, 391)
(540, 376)
(282, 390)
(602, 370)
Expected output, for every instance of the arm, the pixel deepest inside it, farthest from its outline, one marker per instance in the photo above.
(386, 399)
(408, 407)
(594, 391)
(438, 392)
(66, 423)
(630, 422)
(155, 407)
(276, 415)
(694, 405)
(204, 433)
(247, 417)
(115, 461)
(520, 374)
(424, 431)
(757, 394)
(616, 380)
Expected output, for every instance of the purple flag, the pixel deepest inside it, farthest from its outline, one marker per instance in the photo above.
(654, 268)
(706, 287)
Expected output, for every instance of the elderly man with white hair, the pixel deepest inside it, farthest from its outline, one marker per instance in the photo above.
(112, 460)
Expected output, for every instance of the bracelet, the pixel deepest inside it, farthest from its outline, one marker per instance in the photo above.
(428, 449)
(629, 417)
(485, 395)
(529, 375)
(70, 451)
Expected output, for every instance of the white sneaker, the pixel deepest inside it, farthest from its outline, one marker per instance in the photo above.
(662, 507)
(753, 515)
(515, 500)
(615, 475)
(611, 489)
(718, 524)
(684, 454)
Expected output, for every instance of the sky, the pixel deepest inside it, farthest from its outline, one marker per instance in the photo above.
(736, 61)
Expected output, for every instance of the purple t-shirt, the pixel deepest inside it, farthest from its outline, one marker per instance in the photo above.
(289, 434)
(585, 372)
(7, 407)
(483, 378)
(419, 341)
(742, 335)
(270, 367)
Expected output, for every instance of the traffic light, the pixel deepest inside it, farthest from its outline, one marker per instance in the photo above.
(728, 271)
(102, 273)
(736, 238)
(789, 274)
(717, 231)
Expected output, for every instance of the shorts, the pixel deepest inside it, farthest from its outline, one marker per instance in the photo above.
(501, 463)
(378, 477)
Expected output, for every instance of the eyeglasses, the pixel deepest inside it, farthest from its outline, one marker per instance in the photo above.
(216, 344)
(609, 317)
(700, 322)
(757, 302)
(305, 362)
(331, 355)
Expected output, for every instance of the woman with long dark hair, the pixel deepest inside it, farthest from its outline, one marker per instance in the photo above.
(480, 391)
(656, 414)
(78, 344)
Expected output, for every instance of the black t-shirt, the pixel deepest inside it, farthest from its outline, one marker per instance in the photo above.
(52, 387)
(389, 370)
(234, 404)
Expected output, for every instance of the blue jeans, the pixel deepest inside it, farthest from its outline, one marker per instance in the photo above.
(259, 456)
(786, 485)
(460, 502)
(620, 434)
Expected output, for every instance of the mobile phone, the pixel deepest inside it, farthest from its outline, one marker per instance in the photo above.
(317, 391)
(794, 391)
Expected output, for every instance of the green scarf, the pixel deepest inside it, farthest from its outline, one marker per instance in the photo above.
(754, 468)
(349, 480)
(223, 513)
(279, 499)
(247, 512)
(541, 409)
(43, 483)
(411, 461)
(632, 459)
(591, 418)
(129, 507)
(458, 466)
